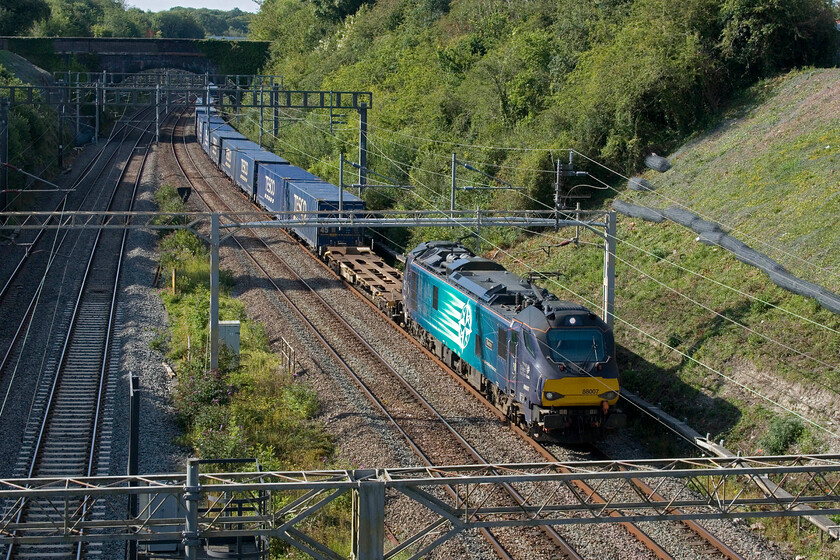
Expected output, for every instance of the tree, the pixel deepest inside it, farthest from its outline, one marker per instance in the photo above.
(17, 16)
(336, 10)
(179, 25)
(760, 37)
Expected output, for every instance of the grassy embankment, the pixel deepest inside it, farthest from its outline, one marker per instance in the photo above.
(249, 406)
(693, 321)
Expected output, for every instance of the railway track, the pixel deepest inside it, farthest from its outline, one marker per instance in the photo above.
(19, 293)
(418, 429)
(70, 397)
(704, 542)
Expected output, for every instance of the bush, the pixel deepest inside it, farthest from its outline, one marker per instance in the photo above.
(782, 434)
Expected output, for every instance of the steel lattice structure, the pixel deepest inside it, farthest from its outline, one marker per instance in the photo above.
(196, 508)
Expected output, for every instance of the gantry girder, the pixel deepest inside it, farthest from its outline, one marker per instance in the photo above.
(205, 506)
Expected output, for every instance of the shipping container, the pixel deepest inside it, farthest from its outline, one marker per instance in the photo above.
(205, 125)
(216, 136)
(201, 112)
(241, 160)
(271, 184)
(323, 197)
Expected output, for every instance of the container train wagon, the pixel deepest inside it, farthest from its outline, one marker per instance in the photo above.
(548, 364)
(241, 160)
(276, 185)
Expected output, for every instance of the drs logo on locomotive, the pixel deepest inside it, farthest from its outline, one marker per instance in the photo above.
(465, 325)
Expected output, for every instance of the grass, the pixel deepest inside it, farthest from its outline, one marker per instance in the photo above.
(249, 406)
(693, 322)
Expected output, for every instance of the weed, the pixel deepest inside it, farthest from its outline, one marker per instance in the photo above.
(781, 435)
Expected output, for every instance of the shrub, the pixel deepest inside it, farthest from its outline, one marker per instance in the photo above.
(782, 434)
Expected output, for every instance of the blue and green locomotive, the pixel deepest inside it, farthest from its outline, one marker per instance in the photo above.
(548, 364)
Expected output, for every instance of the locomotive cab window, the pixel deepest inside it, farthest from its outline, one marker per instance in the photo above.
(434, 297)
(526, 336)
(514, 340)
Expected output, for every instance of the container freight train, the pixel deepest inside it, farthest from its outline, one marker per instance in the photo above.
(549, 365)
(274, 184)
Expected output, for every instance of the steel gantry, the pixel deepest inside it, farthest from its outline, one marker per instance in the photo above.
(600, 222)
(190, 511)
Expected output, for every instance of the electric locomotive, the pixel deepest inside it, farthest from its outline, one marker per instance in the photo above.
(548, 364)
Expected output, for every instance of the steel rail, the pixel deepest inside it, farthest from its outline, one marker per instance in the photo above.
(78, 181)
(694, 526)
(493, 541)
(30, 307)
(96, 408)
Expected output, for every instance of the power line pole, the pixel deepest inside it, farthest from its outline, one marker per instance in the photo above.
(452, 192)
(214, 291)
(609, 269)
(4, 149)
(363, 144)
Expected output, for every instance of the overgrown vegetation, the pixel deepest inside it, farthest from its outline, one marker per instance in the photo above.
(504, 83)
(248, 406)
(511, 86)
(33, 136)
(112, 18)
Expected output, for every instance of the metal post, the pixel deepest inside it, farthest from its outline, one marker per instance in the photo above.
(238, 102)
(133, 451)
(157, 114)
(78, 107)
(452, 193)
(261, 116)
(558, 185)
(609, 269)
(477, 230)
(341, 185)
(214, 291)
(368, 519)
(275, 105)
(166, 91)
(363, 143)
(192, 491)
(4, 150)
(96, 108)
(61, 125)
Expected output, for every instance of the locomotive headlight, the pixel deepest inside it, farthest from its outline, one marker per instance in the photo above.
(608, 396)
(552, 396)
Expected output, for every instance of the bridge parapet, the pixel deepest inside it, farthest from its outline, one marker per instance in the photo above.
(129, 55)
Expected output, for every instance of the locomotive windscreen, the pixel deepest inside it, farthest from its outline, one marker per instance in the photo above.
(576, 345)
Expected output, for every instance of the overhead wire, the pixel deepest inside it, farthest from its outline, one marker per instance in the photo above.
(729, 227)
(403, 166)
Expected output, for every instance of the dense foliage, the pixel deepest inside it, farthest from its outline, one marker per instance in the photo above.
(111, 18)
(504, 82)
(33, 142)
(16, 16)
